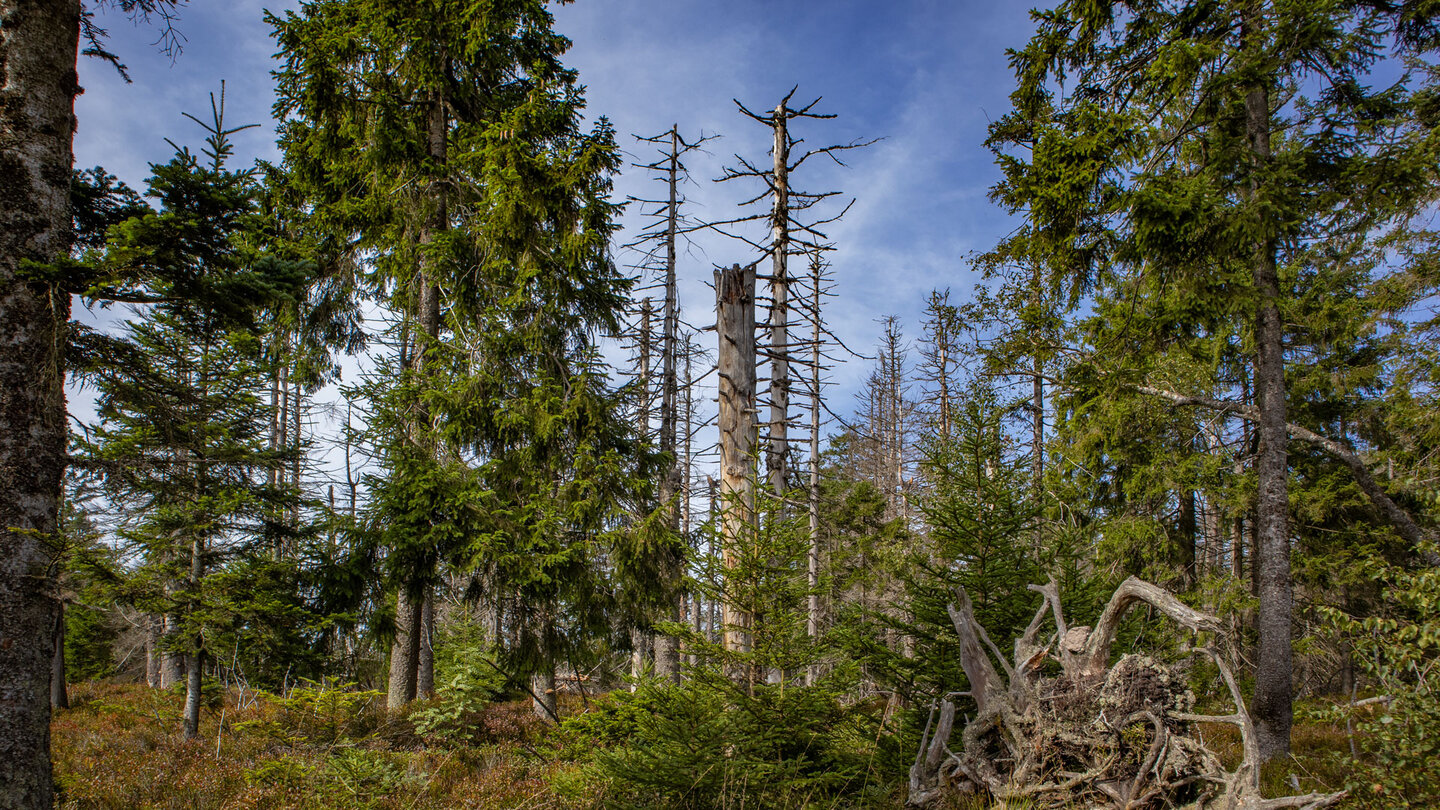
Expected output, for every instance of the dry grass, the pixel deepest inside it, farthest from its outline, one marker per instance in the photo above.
(120, 747)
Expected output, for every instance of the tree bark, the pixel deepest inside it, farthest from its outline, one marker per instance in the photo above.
(1272, 707)
(196, 656)
(812, 557)
(193, 664)
(1186, 529)
(425, 669)
(739, 433)
(59, 697)
(405, 652)
(172, 663)
(542, 695)
(38, 46)
(152, 651)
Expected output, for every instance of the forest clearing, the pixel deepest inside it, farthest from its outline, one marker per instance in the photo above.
(433, 442)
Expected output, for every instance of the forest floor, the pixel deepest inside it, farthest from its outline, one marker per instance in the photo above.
(119, 746)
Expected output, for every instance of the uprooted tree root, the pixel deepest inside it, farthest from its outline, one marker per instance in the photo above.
(1096, 735)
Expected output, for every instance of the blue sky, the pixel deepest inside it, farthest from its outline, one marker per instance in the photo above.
(925, 75)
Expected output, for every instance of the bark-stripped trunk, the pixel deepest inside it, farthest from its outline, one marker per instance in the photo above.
(1037, 411)
(777, 451)
(296, 461)
(812, 558)
(667, 648)
(697, 602)
(543, 698)
(739, 433)
(38, 45)
(1272, 708)
(643, 641)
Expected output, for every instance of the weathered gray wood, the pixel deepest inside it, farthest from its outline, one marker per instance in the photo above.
(984, 681)
(812, 557)
(739, 433)
(1057, 742)
(777, 449)
(667, 648)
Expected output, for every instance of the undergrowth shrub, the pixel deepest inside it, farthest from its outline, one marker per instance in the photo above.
(709, 743)
(1400, 651)
(346, 777)
(461, 710)
(323, 712)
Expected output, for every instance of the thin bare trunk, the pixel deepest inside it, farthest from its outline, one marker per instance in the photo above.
(196, 656)
(152, 651)
(543, 698)
(777, 450)
(667, 648)
(812, 558)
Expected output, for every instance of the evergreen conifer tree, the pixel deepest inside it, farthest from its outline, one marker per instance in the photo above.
(444, 142)
(180, 446)
(1217, 150)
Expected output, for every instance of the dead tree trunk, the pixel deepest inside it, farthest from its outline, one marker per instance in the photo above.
(644, 644)
(777, 449)
(425, 667)
(787, 234)
(697, 602)
(195, 658)
(812, 557)
(667, 647)
(152, 650)
(739, 434)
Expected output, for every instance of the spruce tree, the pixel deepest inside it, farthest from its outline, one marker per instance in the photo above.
(1211, 147)
(444, 140)
(180, 446)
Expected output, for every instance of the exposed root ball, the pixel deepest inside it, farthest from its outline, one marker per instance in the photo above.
(1095, 736)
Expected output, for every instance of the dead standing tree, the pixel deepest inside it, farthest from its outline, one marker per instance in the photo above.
(661, 237)
(1096, 735)
(789, 235)
(739, 432)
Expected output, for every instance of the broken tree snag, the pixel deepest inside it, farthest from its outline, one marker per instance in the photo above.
(739, 433)
(1096, 734)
